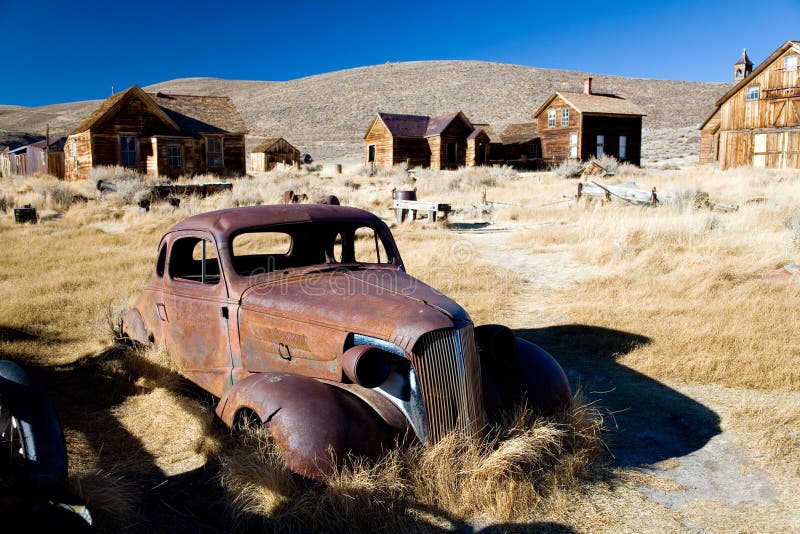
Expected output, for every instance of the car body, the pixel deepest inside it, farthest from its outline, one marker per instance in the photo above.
(304, 317)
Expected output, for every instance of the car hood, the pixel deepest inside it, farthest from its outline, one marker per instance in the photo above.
(383, 303)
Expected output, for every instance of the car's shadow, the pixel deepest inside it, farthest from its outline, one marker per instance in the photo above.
(648, 421)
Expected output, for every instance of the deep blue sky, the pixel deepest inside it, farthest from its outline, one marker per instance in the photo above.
(63, 51)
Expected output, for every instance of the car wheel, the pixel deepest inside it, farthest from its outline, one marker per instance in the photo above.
(32, 445)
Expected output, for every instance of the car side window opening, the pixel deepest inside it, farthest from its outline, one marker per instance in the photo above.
(194, 259)
(161, 263)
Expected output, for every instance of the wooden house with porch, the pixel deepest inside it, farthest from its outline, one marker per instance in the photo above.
(421, 141)
(757, 122)
(522, 146)
(582, 125)
(159, 134)
(271, 152)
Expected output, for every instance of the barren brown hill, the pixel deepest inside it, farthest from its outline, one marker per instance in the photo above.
(327, 114)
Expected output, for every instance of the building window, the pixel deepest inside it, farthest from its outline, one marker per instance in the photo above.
(790, 63)
(752, 93)
(214, 151)
(565, 117)
(127, 151)
(601, 141)
(551, 118)
(174, 158)
(623, 147)
(573, 145)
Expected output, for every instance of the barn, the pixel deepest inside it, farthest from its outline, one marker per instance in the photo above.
(159, 134)
(582, 125)
(271, 152)
(418, 140)
(757, 122)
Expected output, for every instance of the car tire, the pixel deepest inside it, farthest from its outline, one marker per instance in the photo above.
(31, 429)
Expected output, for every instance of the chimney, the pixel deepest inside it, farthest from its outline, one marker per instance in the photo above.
(587, 85)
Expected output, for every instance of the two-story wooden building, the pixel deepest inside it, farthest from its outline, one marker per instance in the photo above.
(159, 135)
(582, 125)
(421, 141)
(757, 122)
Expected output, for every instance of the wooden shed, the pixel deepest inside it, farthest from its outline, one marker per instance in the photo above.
(478, 148)
(159, 134)
(582, 125)
(757, 122)
(271, 152)
(38, 159)
(421, 141)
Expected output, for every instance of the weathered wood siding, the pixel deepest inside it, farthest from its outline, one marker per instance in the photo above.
(280, 152)
(709, 140)
(414, 152)
(775, 116)
(473, 150)
(456, 132)
(379, 137)
(612, 128)
(555, 140)
(234, 156)
(78, 160)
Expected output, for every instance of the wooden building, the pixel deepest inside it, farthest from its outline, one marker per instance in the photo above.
(159, 135)
(419, 140)
(271, 152)
(582, 125)
(37, 159)
(522, 147)
(757, 122)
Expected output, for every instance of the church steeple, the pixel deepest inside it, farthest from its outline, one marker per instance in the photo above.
(743, 67)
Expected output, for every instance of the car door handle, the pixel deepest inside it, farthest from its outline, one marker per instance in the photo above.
(161, 311)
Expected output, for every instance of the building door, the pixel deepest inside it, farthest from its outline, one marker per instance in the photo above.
(760, 150)
(601, 141)
(371, 154)
(450, 155)
(481, 159)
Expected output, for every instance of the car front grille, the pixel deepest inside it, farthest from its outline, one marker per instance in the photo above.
(446, 363)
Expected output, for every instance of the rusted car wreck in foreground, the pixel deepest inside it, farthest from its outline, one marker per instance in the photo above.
(303, 317)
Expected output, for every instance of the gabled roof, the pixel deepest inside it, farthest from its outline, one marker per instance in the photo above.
(201, 114)
(519, 133)
(266, 144)
(493, 136)
(743, 59)
(595, 104)
(436, 125)
(746, 81)
(405, 125)
(111, 104)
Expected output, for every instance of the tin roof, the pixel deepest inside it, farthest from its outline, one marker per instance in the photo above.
(519, 133)
(436, 125)
(743, 59)
(265, 145)
(405, 125)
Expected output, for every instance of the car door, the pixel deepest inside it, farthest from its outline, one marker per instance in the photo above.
(194, 311)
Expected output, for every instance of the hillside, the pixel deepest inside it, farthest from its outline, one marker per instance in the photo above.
(327, 114)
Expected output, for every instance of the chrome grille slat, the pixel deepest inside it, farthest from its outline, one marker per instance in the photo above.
(449, 374)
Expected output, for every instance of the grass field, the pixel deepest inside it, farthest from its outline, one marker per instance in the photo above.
(672, 298)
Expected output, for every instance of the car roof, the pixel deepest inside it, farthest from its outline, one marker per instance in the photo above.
(222, 223)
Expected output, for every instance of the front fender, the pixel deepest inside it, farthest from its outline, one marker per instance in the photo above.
(527, 374)
(309, 420)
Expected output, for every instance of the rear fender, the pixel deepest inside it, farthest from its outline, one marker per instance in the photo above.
(309, 420)
(133, 326)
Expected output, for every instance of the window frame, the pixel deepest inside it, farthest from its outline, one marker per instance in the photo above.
(209, 164)
(623, 147)
(786, 61)
(207, 241)
(551, 118)
(565, 117)
(132, 137)
(170, 158)
(751, 90)
(600, 146)
(573, 146)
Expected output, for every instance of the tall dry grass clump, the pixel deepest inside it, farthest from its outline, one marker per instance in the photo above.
(511, 473)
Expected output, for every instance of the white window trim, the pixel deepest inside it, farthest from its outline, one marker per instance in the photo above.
(573, 145)
(786, 61)
(623, 147)
(565, 117)
(551, 118)
(750, 91)
(601, 145)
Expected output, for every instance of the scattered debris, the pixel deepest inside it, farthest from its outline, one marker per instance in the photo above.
(289, 197)
(27, 213)
(306, 158)
(79, 199)
(595, 169)
(629, 192)
(106, 187)
(202, 190)
(703, 201)
(330, 200)
(144, 205)
(175, 202)
(787, 273)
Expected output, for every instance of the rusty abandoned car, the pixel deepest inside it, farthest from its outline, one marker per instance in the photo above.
(303, 317)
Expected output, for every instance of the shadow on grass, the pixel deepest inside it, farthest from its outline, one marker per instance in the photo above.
(651, 421)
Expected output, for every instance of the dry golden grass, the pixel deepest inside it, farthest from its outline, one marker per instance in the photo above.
(510, 474)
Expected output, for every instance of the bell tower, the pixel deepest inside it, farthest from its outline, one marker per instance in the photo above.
(742, 68)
